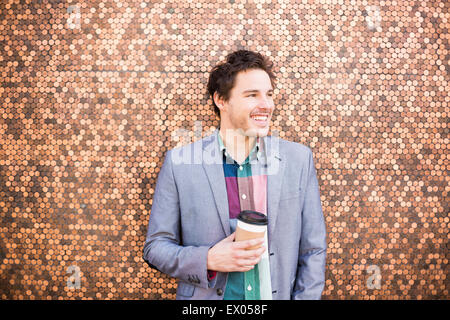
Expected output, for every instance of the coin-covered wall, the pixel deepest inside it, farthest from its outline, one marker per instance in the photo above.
(93, 93)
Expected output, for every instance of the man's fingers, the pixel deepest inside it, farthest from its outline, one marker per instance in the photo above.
(248, 263)
(246, 258)
(249, 243)
(246, 268)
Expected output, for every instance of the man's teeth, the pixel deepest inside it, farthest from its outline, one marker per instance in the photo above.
(260, 118)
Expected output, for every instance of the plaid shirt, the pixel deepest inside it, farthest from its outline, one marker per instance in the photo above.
(247, 190)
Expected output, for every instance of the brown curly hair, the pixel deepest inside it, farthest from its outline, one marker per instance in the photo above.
(223, 75)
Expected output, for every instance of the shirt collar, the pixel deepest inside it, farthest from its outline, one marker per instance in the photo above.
(254, 153)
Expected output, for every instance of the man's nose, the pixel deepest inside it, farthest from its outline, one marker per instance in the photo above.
(266, 103)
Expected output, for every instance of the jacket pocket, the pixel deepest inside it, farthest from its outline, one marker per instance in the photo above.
(185, 289)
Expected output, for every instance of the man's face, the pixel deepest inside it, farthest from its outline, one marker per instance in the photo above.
(250, 106)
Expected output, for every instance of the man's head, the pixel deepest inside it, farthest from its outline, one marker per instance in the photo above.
(241, 89)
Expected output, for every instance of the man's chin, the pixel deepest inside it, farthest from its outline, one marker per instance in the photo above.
(257, 132)
(249, 132)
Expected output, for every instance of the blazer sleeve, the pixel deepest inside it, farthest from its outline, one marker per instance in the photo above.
(310, 279)
(163, 249)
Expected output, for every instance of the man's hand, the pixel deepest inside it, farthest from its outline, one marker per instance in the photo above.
(230, 256)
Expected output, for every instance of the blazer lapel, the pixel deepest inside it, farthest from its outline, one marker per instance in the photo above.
(213, 165)
(275, 172)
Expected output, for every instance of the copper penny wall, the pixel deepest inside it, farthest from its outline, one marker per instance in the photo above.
(91, 94)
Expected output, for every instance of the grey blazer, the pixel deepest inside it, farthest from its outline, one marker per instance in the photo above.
(190, 214)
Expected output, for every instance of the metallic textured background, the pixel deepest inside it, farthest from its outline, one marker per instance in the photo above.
(92, 94)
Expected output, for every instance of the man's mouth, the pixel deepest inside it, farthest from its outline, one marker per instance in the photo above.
(261, 119)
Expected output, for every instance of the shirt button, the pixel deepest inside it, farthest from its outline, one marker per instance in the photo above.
(249, 288)
(219, 292)
(244, 196)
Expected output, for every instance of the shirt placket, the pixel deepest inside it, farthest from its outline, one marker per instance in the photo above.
(251, 288)
(245, 192)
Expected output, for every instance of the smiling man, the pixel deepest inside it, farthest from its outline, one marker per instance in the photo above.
(245, 112)
(193, 219)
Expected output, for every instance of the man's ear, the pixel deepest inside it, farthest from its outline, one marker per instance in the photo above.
(218, 100)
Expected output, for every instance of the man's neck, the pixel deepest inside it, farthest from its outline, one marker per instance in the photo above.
(237, 145)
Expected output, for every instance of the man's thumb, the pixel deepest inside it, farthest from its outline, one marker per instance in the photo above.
(230, 238)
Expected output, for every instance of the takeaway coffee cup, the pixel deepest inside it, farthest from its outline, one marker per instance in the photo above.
(250, 225)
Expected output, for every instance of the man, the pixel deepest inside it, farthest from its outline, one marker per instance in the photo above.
(203, 186)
